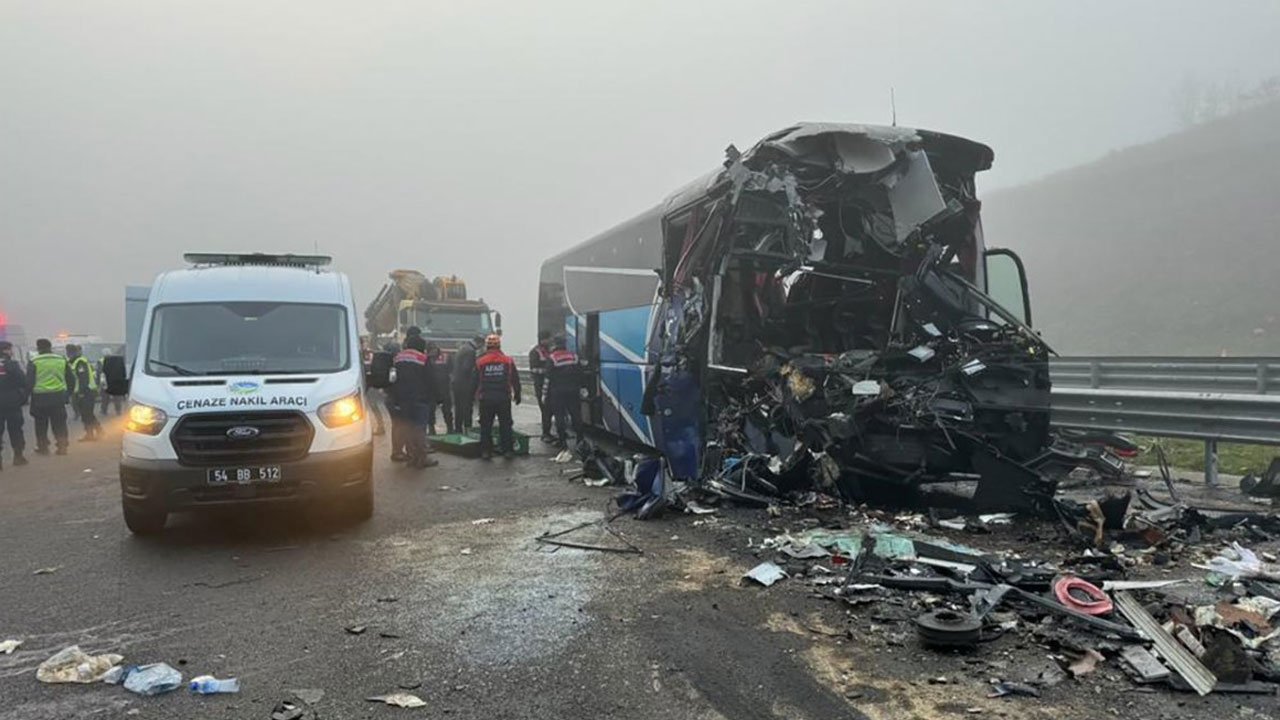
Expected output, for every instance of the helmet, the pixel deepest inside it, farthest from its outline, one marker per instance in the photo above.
(493, 342)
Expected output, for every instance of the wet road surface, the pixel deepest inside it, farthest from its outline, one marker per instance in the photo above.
(476, 618)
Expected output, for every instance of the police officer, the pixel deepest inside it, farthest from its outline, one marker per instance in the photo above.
(84, 392)
(13, 395)
(539, 359)
(497, 384)
(48, 377)
(412, 396)
(440, 369)
(464, 383)
(563, 382)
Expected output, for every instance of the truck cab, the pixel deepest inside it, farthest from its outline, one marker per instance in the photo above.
(246, 388)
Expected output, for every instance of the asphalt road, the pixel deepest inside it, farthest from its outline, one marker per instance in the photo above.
(474, 617)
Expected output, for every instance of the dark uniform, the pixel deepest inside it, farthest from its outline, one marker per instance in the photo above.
(84, 393)
(13, 395)
(440, 371)
(539, 359)
(108, 400)
(411, 395)
(563, 383)
(48, 378)
(497, 384)
(464, 385)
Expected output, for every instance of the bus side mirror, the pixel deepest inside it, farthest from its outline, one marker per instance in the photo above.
(1007, 283)
(116, 375)
(378, 376)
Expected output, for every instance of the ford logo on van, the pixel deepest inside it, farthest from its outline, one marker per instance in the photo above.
(242, 432)
(243, 387)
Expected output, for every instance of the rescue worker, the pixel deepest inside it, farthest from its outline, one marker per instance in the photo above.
(412, 396)
(108, 400)
(563, 383)
(497, 383)
(48, 378)
(13, 395)
(440, 368)
(464, 383)
(399, 428)
(84, 392)
(539, 359)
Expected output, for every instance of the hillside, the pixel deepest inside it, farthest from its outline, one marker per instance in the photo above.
(1167, 248)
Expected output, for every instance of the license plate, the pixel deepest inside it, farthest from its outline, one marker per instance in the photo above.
(244, 475)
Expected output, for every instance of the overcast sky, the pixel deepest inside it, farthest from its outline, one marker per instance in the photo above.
(480, 137)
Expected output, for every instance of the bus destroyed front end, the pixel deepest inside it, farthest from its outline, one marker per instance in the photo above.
(826, 290)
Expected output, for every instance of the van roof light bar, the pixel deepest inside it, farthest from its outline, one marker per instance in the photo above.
(269, 259)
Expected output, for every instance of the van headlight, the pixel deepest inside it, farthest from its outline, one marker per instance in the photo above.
(343, 411)
(145, 419)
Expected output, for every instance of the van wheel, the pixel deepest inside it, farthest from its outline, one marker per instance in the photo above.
(143, 520)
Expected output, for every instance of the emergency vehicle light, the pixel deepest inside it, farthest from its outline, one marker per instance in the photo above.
(278, 259)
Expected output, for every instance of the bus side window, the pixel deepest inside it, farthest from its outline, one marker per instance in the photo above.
(675, 236)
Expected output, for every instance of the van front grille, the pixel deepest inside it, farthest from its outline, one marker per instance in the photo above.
(206, 440)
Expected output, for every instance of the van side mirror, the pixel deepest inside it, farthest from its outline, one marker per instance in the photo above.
(497, 321)
(1007, 283)
(116, 375)
(378, 374)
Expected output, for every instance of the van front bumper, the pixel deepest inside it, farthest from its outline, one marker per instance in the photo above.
(175, 487)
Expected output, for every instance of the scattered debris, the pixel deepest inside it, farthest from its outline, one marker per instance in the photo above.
(8, 646)
(465, 551)
(605, 524)
(1146, 665)
(483, 521)
(210, 685)
(154, 679)
(290, 710)
(1184, 663)
(947, 628)
(1086, 663)
(357, 629)
(1082, 596)
(73, 665)
(47, 570)
(765, 573)
(404, 700)
(1006, 689)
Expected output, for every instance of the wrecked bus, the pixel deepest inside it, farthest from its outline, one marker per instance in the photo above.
(819, 313)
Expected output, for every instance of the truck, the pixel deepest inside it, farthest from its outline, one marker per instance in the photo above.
(439, 307)
(247, 388)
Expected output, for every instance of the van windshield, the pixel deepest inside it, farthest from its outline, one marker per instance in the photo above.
(234, 338)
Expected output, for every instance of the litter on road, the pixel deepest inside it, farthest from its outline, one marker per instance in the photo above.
(154, 679)
(73, 665)
(404, 700)
(8, 646)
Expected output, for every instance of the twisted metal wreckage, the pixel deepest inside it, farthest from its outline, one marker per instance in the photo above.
(822, 321)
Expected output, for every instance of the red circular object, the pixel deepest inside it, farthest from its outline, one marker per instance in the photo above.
(1097, 602)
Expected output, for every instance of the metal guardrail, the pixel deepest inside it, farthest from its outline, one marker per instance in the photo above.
(1209, 399)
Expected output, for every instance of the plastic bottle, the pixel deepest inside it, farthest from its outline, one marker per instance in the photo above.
(210, 685)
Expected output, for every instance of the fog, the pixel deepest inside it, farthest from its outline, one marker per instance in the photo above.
(479, 138)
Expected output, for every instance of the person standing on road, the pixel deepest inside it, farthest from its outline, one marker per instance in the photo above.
(108, 400)
(497, 383)
(13, 395)
(412, 394)
(48, 377)
(84, 392)
(464, 383)
(563, 383)
(539, 362)
(371, 397)
(440, 368)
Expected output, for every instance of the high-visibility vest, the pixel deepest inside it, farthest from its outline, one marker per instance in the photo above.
(83, 362)
(51, 373)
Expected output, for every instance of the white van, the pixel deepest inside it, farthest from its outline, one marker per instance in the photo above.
(247, 387)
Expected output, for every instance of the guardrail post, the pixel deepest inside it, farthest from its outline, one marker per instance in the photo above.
(1262, 377)
(1211, 462)
(1095, 375)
